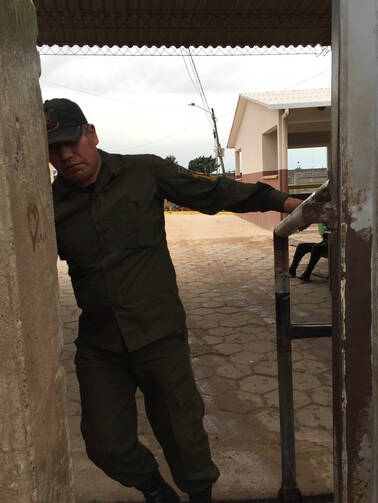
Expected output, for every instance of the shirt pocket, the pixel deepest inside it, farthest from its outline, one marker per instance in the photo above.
(133, 226)
(150, 229)
(122, 224)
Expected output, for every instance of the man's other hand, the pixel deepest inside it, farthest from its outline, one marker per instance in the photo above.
(291, 203)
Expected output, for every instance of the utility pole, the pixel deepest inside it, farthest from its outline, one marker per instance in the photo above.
(216, 138)
(215, 133)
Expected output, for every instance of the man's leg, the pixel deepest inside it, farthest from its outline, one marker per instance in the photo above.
(109, 418)
(316, 253)
(175, 410)
(300, 251)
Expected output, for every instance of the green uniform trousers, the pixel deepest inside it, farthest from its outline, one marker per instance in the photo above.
(174, 407)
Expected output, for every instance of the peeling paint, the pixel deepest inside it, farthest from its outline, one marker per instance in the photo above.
(362, 216)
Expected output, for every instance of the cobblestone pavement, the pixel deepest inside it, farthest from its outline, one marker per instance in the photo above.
(224, 268)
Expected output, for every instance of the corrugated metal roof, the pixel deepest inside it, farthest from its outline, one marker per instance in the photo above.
(184, 22)
(296, 98)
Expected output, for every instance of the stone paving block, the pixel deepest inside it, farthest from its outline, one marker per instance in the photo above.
(202, 311)
(244, 338)
(325, 379)
(210, 361)
(315, 435)
(233, 370)
(247, 357)
(260, 347)
(315, 416)
(238, 403)
(270, 418)
(213, 303)
(271, 399)
(212, 340)
(234, 321)
(230, 428)
(228, 348)
(266, 368)
(301, 399)
(322, 396)
(221, 331)
(310, 366)
(229, 310)
(200, 322)
(258, 384)
(214, 385)
(304, 382)
(252, 400)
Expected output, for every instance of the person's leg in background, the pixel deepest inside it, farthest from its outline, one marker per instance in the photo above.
(318, 250)
(300, 251)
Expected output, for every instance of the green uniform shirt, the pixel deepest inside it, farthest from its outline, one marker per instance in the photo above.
(113, 238)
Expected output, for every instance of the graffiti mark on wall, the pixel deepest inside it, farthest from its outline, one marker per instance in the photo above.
(33, 223)
(19, 156)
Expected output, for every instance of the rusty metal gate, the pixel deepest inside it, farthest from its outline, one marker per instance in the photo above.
(316, 208)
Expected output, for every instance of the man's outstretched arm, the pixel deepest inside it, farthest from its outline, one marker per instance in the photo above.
(290, 204)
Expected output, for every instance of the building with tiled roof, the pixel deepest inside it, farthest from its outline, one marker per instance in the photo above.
(266, 125)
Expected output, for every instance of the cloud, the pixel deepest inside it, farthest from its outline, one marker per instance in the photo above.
(144, 100)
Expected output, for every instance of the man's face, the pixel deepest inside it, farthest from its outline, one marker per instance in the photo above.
(78, 162)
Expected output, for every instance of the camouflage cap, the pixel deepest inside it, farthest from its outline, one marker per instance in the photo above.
(64, 120)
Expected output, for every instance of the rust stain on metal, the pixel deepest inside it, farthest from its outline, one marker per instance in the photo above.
(358, 348)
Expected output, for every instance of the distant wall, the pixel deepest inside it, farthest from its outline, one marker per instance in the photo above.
(268, 219)
(34, 455)
(256, 121)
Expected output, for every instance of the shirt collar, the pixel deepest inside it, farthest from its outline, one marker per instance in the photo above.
(110, 166)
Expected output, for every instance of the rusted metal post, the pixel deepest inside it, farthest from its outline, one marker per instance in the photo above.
(354, 178)
(289, 491)
(316, 208)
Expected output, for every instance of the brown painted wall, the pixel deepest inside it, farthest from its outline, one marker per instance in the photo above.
(268, 219)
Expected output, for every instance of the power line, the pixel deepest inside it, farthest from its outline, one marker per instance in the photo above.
(165, 137)
(188, 72)
(218, 148)
(309, 78)
(198, 80)
(195, 81)
(110, 99)
(174, 134)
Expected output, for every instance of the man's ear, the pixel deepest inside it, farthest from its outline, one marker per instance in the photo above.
(92, 134)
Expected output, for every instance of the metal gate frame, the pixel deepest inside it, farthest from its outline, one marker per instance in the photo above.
(316, 208)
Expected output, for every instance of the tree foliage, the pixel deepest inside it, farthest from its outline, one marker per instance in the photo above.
(171, 158)
(203, 164)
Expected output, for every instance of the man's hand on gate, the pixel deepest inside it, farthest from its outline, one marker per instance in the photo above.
(291, 203)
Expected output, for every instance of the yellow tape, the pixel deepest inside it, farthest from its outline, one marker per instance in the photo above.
(197, 212)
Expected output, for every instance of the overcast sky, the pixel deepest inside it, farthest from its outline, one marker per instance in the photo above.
(139, 104)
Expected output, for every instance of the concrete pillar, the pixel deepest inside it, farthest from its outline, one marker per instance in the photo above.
(282, 146)
(34, 457)
(237, 163)
(354, 186)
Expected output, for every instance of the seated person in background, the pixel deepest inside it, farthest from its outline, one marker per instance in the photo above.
(317, 250)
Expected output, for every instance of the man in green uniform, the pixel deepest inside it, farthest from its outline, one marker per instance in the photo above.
(109, 220)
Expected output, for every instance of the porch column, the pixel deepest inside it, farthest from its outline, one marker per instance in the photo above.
(282, 142)
(237, 163)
